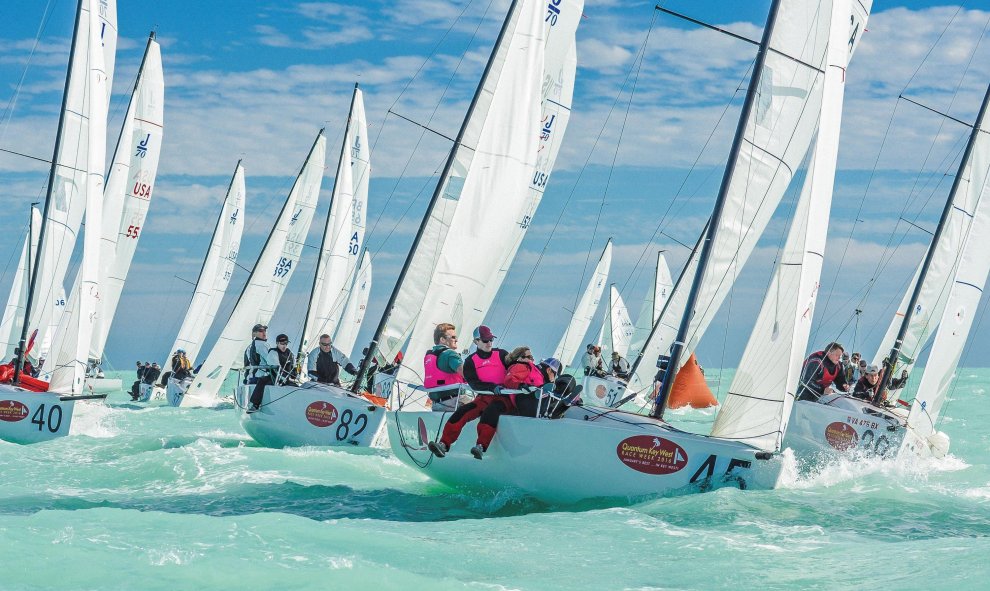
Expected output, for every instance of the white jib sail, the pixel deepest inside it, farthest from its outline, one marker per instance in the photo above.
(344, 231)
(13, 313)
(957, 320)
(778, 132)
(218, 268)
(479, 139)
(357, 304)
(948, 253)
(573, 338)
(559, 69)
(69, 371)
(655, 300)
(759, 401)
(267, 281)
(129, 188)
(620, 323)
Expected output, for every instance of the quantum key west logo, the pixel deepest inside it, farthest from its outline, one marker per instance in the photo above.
(651, 454)
(12, 411)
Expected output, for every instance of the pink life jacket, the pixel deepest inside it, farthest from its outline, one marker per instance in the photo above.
(520, 373)
(433, 376)
(489, 370)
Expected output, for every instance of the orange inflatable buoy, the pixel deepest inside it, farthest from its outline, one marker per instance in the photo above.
(690, 388)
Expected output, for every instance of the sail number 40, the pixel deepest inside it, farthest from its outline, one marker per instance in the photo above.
(52, 421)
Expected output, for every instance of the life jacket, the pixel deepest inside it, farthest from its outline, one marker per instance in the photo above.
(327, 368)
(520, 373)
(252, 359)
(827, 376)
(489, 370)
(433, 376)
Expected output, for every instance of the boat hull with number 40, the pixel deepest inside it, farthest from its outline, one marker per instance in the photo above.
(33, 417)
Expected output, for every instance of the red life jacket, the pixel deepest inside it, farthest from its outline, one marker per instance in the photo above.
(827, 376)
(489, 370)
(433, 376)
(520, 373)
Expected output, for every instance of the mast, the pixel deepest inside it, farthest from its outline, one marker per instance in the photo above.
(373, 345)
(895, 350)
(48, 200)
(708, 238)
(323, 241)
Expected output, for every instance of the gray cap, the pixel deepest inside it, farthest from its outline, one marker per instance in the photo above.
(258, 327)
(872, 369)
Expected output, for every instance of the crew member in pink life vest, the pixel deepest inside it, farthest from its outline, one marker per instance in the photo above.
(443, 365)
(484, 371)
(822, 374)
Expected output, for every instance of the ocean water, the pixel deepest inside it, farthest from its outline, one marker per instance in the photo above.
(161, 498)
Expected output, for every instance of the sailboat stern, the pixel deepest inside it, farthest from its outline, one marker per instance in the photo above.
(33, 417)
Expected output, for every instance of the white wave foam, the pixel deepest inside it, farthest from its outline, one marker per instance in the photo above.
(835, 471)
(94, 419)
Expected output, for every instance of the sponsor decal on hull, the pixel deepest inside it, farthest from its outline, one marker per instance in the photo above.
(841, 436)
(600, 391)
(12, 411)
(651, 455)
(321, 414)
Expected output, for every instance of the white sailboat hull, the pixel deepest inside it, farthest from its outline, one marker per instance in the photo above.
(147, 392)
(593, 455)
(845, 425)
(175, 392)
(103, 385)
(312, 414)
(32, 417)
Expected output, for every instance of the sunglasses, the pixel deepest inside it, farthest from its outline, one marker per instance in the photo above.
(526, 357)
(486, 341)
(324, 344)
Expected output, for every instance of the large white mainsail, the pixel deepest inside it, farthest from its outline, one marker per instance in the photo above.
(777, 134)
(268, 279)
(343, 236)
(13, 313)
(218, 268)
(656, 299)
(65, 214)
(357, 303)
(571, 341)
(129, 187)
(934, 293)
(758, 404)
(69, 370)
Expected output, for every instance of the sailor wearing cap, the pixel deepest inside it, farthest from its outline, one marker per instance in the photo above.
(259, 364)
(866, 387)
(181, 366)
(286, 373)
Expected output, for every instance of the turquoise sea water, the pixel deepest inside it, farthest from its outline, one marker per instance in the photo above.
(162, 498)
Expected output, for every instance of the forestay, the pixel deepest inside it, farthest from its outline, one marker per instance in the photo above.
(776, 137)
(218, 268)
(574, 334)
(266, 284)
(72, 354)
(343, 236)
(129, 188)
(13, 313)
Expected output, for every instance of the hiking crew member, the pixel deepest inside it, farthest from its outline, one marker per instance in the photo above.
(485, 371)
(620, 367)
(258, 364)
(866, 387)
(443, 366)
(181, 367)
(593, 365)
(822, 374)
(286, 373)
(325, 360)
(151, 374)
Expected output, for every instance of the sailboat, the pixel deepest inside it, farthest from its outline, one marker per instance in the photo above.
(313, 413)
(572, 341)
(802, 55)
(943, 297)
(616, 335)
(75, 183)
(211, 285)
(264, 287)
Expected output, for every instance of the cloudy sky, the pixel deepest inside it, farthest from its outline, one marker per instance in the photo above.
(655, 105)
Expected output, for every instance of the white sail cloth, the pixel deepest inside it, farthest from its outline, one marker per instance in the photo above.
(357, 305)
(218, 268)
(266, 284)
(571, 341)
(129, 188)
(777, 135)
(87, 180)
(13, 313)
(656, 299)
(762, 392)
(617, 329)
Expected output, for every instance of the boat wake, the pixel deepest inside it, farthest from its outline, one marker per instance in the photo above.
(834, 471)
(95, 419)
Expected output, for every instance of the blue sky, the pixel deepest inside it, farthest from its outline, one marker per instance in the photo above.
(257, 80)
